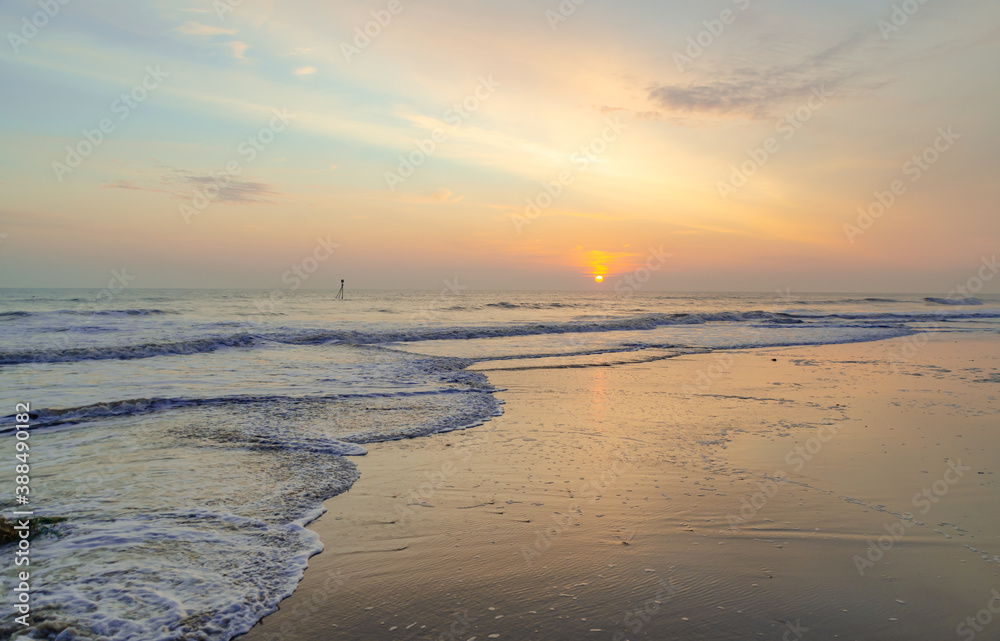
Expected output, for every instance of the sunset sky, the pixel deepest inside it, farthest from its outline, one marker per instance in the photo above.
(624, 122)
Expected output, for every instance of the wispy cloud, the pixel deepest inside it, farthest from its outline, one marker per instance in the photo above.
(192, 28)
(758, 90)
(240, 192)
(759, 82)
(437, 197)
(238, 48)
(180, 183)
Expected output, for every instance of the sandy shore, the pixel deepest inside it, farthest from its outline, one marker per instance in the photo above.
(794, 493)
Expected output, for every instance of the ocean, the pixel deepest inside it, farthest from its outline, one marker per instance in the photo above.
(185, 438)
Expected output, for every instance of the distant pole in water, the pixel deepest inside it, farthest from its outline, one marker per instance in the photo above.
(340, 294)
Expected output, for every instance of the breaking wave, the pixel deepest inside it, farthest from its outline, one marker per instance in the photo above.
(953, 301)
(90, 312)
(414, 334)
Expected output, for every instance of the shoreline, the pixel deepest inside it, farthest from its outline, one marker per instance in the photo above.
(605, 504)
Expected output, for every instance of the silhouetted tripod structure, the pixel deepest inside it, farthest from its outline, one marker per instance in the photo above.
(340, 294)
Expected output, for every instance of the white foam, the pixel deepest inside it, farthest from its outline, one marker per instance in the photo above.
(954, 301)
(167, 535)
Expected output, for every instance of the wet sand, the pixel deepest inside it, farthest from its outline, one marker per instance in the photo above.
(794, 493)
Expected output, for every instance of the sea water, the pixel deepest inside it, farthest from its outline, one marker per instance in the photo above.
(187, 437)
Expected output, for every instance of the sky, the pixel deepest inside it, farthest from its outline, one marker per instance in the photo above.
(826, 145)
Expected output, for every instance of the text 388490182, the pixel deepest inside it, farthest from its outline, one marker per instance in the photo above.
(22, 524)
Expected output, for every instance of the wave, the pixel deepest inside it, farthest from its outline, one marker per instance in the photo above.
(841, 301)
(506, 305)
(874, 332)
(954, 301)
(423, 333)
(902, 317)
(125, 352)
(89, 312)
(174, 533)
(606, 324)
(138, 406)
(648, 321)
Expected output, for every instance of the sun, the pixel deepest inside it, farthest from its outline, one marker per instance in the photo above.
(599, 278)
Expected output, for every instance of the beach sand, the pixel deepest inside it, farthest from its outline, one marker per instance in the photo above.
(752, 494)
